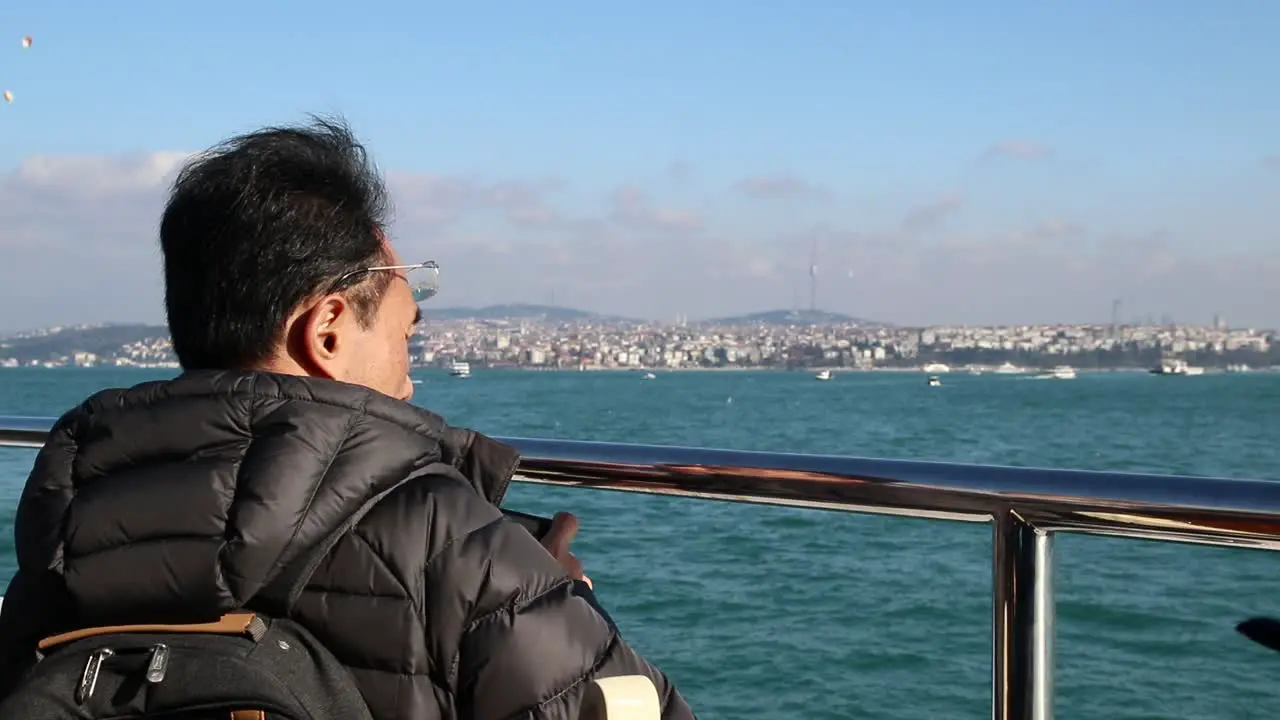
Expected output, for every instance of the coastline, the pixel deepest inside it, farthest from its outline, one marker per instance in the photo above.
(833, 369)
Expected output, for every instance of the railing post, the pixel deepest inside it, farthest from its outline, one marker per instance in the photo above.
(1022, 622)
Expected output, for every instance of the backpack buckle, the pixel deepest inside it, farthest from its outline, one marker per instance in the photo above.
(89, 679)
(158, 664)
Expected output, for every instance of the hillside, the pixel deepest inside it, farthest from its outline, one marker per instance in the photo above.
(795, 317)
(547, 313)
(100, 339)
(106, 340)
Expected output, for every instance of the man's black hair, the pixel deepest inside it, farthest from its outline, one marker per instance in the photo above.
(258, 224)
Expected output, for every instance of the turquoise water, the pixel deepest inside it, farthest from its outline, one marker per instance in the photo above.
(785, 613)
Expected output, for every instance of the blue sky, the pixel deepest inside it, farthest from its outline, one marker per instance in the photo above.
(1125, 135)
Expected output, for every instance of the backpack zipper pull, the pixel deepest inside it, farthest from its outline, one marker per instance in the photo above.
(89, 679)
(158, 664)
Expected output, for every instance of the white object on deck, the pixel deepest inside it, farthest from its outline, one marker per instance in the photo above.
(626, 697)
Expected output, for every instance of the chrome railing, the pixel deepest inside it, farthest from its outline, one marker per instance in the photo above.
(1024, 505)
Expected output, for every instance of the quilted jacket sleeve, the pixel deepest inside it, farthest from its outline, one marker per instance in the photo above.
(534, 637)
(22, 623)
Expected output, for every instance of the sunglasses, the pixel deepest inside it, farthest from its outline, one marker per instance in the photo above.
(423, 278)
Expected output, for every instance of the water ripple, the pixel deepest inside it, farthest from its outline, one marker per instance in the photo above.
(786, 613)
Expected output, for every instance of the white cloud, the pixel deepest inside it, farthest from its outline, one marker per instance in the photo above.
(633, 208)
(78, 243)
(931, 214)
(1018, 148)
(97, 175)
(779, 186)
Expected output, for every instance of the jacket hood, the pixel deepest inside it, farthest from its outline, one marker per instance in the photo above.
(188, 496)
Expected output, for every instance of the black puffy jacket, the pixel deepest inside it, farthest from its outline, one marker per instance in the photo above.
(178, 500)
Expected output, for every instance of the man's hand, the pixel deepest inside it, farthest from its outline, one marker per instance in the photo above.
(564, 527)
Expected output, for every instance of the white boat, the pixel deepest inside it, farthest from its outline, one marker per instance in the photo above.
(1176, 366)
(649, 376)
(823, 375)
(460, 369)
(1008, 368)
(1060, 372)
(934, 368)
(934, 381)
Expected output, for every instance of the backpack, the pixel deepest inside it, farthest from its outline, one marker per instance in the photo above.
(244, 666)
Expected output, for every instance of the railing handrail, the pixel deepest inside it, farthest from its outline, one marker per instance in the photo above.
(1025, 506)
(1213, 510)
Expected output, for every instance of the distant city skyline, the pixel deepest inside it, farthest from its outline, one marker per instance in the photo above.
(568, 342)
(444, 318)
(944, 164)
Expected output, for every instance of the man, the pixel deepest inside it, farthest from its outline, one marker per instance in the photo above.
(287, 447)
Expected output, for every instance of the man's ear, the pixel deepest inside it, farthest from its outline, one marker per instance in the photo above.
(318, 337)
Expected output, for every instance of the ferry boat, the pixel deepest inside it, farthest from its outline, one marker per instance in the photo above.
(1060, 372)
(460, 369)
(1176, 366)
